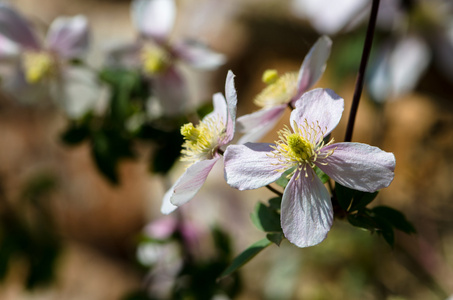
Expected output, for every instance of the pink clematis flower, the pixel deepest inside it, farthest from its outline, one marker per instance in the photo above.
(306, 211)
(283, 91)
(157, 57)
(43, 64)
(203, 147)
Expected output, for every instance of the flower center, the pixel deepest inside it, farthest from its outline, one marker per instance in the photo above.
(37, 66)
(300, 148)
(202, 141)
(155, 59)
(280, 90)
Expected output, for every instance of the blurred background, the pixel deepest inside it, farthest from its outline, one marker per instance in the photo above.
(81, 234)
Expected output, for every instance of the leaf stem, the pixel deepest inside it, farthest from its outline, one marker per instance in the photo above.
(362, 68)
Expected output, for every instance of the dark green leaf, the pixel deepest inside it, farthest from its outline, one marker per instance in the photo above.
(385, 229)
(352, 200)
(246, 256)
(395, 218)
(363, 221)
(275, 203)
(265, 218)
(275, 238)
(75, 134)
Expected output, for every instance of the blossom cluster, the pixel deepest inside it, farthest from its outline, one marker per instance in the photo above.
(306, 208)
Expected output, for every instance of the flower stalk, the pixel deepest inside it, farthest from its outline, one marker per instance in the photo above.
(362, 69)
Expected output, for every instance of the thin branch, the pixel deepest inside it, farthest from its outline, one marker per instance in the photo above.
(362, 68)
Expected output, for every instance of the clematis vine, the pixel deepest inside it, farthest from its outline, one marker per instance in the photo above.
(203, 146)
(157, 57)
(283, 91)
(306, 209)
(44, 64)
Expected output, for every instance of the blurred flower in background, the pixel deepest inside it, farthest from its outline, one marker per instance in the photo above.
(158, 57)
(39, 69)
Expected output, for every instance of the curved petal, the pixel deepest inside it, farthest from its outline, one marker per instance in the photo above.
(320, 106)
(359, 166)
(170, 89)
(306, 212)
(257, 124)
(124, 55)
(167, 207)
(199, 55)
(249, 166)
(220, 107)
(68, 36)
(154, 18)
(16, 28)
(232, 100)
(314, 64)
(191, 181)
(8, 48)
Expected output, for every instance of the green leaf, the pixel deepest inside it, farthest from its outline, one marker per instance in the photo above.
(265, 218)
(246, 256)
(352, 200)
(362, 221)
(275, 203)
(323, 176)
(275, 237)
(395, 218)
(385, 229)
(75, 134)
(283, 180)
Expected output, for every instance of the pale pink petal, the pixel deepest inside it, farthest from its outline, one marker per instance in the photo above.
(162, 228)
(319, 106)
(232, 100)
(8, 48)
(199, 55)
(188, 185)
(124, 55)
(306, 212)
(258, 124)
(220, 107)
(314, 65)
(249, 166)
(68, 36)
(359, 166)
(170, 88)
(17, 29)
(154, 18)
(167, 207)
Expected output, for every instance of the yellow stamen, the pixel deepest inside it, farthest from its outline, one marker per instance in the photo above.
(270, 76)
(281, 91)
(37, 66)
(155, 60)
(203, 140)
(300, 148)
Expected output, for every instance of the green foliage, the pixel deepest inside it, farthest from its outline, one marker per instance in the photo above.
(246, 256)
(352, 200)
(266, 218)
(27, 233)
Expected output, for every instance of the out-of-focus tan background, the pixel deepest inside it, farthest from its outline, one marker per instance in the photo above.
(99, 222)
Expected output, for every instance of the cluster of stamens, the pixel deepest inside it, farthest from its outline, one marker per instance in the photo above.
(155, 59)
(279, 90)
(203, 140)
(300, 148)
(38, 65)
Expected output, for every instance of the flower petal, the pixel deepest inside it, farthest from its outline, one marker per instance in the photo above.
(68, 36)
(359, 166)
(16, 28)
(232, 100)
(8, 48)
(198, 55)
(257, 124)
(154, 19)
(170, 89)
(167, 207)
(249, 166)
(306, 212)
(220, 107)
(191, 181)
(320, 106)
(314, 64)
